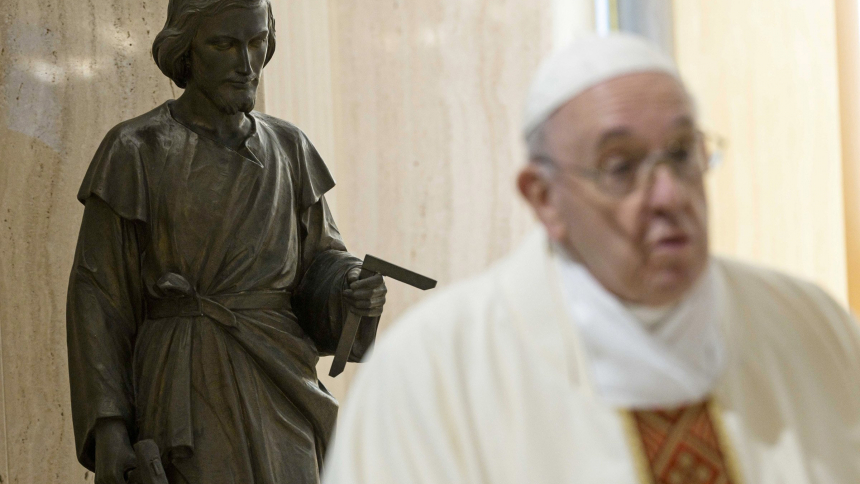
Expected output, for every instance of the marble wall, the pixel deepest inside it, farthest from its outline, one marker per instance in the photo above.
(428, 105)
(416, 107)
(766, 77)
(69, 71)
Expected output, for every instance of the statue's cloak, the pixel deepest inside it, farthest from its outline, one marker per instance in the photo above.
(236, 403)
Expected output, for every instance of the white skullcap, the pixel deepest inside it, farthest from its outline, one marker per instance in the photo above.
(586, 63)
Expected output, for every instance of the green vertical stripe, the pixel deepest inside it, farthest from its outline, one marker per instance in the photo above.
(613, 15)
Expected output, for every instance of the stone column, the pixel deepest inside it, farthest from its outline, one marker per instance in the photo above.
(848, 40)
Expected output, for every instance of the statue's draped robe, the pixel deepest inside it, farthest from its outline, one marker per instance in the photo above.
(225, 404)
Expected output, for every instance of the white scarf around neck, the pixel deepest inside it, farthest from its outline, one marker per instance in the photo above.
(646, 358)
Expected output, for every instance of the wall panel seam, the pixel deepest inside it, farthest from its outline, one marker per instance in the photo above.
(5, 477)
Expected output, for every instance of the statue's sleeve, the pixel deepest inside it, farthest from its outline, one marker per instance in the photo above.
(116, 176)
(318, 300)
(103, 311)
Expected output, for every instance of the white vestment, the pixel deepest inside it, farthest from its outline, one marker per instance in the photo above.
(641, 357)
(490, 381)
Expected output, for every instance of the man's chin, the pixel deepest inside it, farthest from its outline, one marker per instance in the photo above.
(247, 101)
(235, 102)
(669, 284)
(243, 105)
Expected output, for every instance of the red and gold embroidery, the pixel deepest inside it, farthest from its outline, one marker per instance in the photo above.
(681, 446)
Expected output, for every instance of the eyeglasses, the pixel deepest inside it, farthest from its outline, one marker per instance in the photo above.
(624, 170)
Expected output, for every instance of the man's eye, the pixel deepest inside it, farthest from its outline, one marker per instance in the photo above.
(258, 43)
(620, 165)
(223, 45)
(680, 155)
(680, 150)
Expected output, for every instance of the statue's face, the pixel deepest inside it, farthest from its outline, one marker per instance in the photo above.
(227, 56)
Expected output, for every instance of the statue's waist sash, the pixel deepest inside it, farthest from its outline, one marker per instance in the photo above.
(219, 308)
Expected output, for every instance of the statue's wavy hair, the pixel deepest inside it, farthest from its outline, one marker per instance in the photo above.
(172, 46)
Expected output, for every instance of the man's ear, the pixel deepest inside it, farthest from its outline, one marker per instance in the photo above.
(535, 185)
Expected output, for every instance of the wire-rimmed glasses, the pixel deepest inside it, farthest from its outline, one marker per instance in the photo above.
(623, 171)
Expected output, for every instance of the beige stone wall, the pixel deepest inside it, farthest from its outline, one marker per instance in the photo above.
(69, 71)
(766, 76)
(416, 106)
(428, 108)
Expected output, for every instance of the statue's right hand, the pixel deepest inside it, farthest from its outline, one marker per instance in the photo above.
(114, 453)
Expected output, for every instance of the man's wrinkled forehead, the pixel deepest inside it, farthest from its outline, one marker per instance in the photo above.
(646, 107)
(650, 99)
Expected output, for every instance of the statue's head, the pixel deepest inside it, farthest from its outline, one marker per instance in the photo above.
(218, 47)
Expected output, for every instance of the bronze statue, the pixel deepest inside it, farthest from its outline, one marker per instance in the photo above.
(209, 274)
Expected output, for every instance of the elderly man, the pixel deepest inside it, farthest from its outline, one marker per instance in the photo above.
(209, 274)
(611, 348)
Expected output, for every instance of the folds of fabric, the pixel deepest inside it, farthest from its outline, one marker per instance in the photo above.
(103, 310)
(230, 394)
(489, 381)
(676, 361)
(323, 281)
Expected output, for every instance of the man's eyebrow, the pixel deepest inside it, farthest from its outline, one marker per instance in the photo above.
(219, 38)
(611, 135)
(222, 37)
(684, 121)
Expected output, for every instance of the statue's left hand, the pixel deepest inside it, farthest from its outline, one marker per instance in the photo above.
(365, 297)
(114, 453)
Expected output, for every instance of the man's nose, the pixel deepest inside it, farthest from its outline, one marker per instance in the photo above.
(244, 60)
(666, 190)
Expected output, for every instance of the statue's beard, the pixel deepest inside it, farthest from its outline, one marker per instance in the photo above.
(229, 100)
(226, 97)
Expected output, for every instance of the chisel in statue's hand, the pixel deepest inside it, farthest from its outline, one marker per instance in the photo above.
(149, 469)
(372, 266)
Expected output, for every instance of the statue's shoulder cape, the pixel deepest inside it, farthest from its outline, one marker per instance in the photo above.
(133, 155)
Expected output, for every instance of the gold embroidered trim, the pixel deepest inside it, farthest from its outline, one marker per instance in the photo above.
(729, 452)
(685, 445)
(637, 450)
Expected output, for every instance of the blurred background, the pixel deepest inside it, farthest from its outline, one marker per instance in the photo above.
(416, 106)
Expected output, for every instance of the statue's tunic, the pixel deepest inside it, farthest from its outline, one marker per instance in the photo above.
(226, 385)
